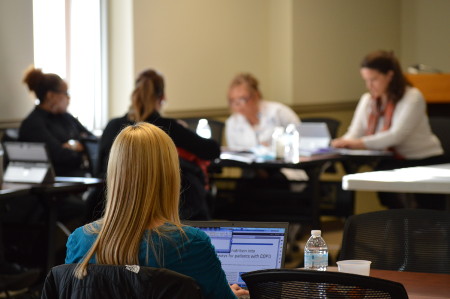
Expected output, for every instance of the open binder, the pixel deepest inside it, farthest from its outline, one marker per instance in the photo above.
(28, 163)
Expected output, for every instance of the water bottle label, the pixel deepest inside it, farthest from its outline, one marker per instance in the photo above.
(315, 260)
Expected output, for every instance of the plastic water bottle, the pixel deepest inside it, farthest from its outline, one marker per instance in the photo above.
(278, 143)
(203, 128)
(292, 144)
(316, 252)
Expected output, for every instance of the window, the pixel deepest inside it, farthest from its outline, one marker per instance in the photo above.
(69, 41)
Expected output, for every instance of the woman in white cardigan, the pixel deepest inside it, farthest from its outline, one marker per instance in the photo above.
(391, 116)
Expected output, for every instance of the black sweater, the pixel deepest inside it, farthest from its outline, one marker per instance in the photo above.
(184, 138)
(55, 130)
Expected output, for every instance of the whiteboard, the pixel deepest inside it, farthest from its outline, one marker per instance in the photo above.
(16, 55)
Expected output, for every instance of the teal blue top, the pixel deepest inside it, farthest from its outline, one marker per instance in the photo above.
(192, 255)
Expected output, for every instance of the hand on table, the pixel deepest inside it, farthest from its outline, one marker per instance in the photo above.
(352, 143)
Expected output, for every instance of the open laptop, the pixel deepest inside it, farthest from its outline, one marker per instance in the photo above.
(246, 246)
(28, 163)
(315, 138)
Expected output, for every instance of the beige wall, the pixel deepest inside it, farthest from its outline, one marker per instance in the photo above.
(425, 33)
(330, 39)
(120, 56)
(199, 45)
(305, 52)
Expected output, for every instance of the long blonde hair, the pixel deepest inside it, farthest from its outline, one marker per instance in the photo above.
(143, 187)
(149, 89)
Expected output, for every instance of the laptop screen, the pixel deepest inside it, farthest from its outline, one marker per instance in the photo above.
(246, 246)
(26, 151)
(314, 135)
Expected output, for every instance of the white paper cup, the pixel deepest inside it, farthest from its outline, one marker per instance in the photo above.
(360, 267)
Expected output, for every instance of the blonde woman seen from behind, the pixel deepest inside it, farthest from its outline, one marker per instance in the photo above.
(141, 224)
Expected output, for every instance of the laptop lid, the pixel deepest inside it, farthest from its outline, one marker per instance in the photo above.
(246, 246)
(313, 136)
(26, 151)
(28, 163)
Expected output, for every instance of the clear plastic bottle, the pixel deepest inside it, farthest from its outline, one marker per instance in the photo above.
(278, 143)
(292, 144)
(203, 128)
(316, 252)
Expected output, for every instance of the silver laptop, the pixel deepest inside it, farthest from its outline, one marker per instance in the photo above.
(246, 246)
(28, 163)
(315, 138)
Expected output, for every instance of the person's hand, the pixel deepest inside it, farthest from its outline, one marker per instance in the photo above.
(238, 291)
(352, 143)
(74, 145)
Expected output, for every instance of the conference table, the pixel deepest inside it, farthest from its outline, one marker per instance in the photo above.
(418, 285)
(313, 165)
(49, 194)
(420, 179)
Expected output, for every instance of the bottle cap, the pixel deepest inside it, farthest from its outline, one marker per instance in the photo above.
(316, 232)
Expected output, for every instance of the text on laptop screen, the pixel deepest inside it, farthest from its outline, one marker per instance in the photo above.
(245, 249)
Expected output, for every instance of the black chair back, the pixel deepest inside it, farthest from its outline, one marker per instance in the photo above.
(400, 239)
(293, 283)
(440, 126)
(111, 281)
(216, 126)
(91, 146)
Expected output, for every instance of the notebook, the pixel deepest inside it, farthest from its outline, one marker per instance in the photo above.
(28, 163)
(315, 138)
(246, 246)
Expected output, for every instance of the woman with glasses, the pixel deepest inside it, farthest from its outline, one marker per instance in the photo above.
(50, 123)
(253, 119)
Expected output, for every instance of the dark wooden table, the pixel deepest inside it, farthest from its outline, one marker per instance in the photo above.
(313, 166)
(418, 285)
(50, 193)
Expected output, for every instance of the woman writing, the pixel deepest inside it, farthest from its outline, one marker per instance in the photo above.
(391, 116)
(194, 151)
(140, 224)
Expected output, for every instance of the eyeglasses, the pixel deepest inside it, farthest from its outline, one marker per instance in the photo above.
(239, 101)
(66, 93)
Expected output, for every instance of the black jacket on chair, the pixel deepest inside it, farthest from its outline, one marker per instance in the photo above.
(110, 281)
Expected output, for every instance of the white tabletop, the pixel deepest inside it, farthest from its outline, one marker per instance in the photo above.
(421, 179)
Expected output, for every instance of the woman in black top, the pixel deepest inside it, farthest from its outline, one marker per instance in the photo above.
(194, 151)
(50, 123)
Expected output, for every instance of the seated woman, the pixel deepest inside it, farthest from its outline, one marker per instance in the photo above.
(253, 120)
(50, 123)
(391, 116)
(194, 151)
(141, 224)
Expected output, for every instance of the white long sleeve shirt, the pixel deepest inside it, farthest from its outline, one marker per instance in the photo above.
(410, 133)
(240, 134)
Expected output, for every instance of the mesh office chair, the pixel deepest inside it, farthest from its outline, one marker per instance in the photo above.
(400, 239)
(112, 281)
(217, 127)
(293, 283)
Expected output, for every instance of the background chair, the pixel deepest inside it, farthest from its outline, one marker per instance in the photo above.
(111, 281)
(400, 239)
(440, 126)
(91, 145)
(334, 200)
(217, 127)
(293, 283)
